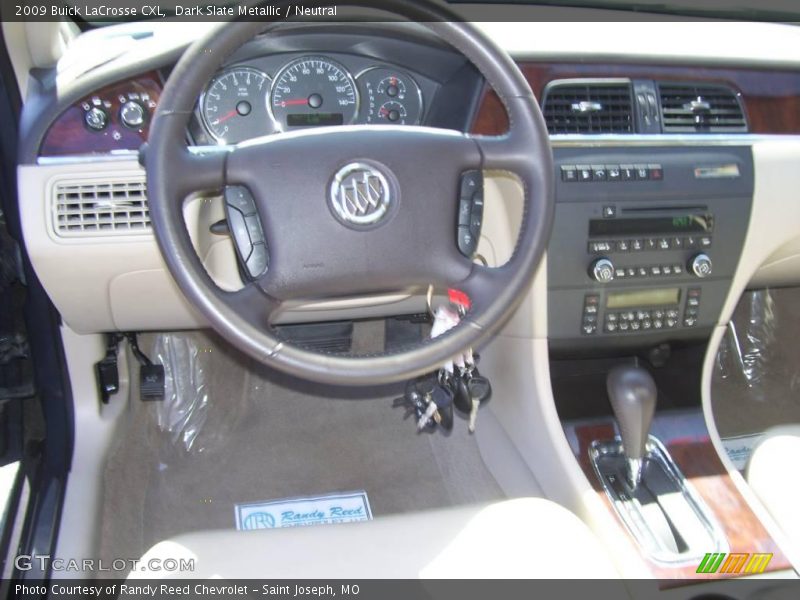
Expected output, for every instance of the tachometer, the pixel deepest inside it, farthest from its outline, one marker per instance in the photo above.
(233, 107)
(313, 91)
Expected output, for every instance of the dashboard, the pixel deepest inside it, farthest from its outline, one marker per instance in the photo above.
(80, 144)
(289, 81)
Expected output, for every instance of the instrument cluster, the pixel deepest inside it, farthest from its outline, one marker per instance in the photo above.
(264, 97)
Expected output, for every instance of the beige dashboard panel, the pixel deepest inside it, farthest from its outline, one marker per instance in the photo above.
(103, 281)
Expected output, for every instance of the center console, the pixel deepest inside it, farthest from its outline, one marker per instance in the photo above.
(645, 242)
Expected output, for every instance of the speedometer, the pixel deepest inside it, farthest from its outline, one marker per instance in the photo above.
(313, 91)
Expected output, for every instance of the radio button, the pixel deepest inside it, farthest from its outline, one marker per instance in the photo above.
(602, 270)
(656, 172)
(569, 174)
(628, 172)
(600, 247)
(701, 265)
(599, 173)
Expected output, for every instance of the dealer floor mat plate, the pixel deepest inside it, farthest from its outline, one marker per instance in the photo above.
(344, 507)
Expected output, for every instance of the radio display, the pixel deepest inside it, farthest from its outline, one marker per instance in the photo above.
(643, 298)
(687, 223)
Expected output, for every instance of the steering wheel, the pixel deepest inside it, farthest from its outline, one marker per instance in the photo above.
(318, 248)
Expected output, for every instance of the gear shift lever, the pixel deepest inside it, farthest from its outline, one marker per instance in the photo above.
(632, 392)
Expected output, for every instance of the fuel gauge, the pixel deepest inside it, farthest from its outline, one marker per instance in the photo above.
(392, 97)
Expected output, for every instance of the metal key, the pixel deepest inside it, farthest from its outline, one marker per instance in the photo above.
(442, 398)
(427, 418)
(480, 392)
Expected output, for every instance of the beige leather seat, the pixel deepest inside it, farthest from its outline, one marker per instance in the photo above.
(522, 538)
(773, 473)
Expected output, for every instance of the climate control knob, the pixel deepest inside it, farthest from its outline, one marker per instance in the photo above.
(132, 114)
(96, 118)
(602, 270)
(701, 265)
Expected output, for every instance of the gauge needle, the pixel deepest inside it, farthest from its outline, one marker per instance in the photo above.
(224, 118)
(295, 102)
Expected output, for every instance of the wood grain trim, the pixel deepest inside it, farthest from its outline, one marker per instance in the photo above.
(69, 134)
(771, 97)
(699, 462)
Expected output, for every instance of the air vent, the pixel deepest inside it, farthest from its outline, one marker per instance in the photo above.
(100, 207)
(588, 107)
(691, 108)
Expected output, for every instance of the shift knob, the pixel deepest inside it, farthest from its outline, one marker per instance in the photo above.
(632, 392)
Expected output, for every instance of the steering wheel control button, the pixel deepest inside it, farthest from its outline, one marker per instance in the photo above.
(360, 195)
(258, 261)
(602, 270)
(470, 211)
(467, 241)
(239, 198)
(245, 228)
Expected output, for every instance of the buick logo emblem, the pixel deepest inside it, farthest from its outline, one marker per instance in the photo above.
(360, 194)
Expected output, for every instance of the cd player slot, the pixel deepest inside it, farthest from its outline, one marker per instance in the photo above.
(662, 209)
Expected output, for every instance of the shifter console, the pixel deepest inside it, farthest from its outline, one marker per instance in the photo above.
(650, 494)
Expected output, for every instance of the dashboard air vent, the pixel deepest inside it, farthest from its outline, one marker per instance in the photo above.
(100, 207)
(700, 108)
(588, 107)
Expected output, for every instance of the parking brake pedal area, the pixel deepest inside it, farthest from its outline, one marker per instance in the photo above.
(343, 507)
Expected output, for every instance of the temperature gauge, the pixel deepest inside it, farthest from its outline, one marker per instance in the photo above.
(393, 97)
